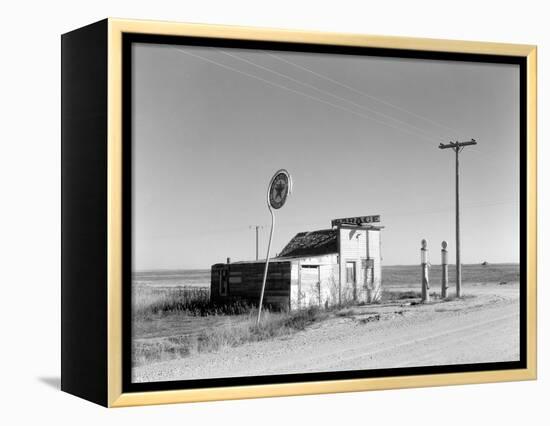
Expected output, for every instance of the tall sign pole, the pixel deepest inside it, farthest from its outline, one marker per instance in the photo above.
(457, 147)
(280, 187)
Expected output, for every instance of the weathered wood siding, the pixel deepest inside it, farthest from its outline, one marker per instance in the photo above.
(244, 282)
(374, 253)
(304, 291)
(353, 248)
(362, 247)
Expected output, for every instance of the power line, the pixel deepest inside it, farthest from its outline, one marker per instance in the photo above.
(330, 94)
(349, 101)
(360, 92)
(280, 86)
(465, 207)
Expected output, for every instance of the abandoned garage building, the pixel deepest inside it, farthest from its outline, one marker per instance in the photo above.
(319, 268)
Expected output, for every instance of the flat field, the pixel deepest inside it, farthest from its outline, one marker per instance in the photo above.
(179, 335)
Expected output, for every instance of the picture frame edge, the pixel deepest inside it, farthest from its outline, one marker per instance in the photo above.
(116, 28)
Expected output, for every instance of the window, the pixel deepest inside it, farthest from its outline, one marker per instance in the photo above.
(350, 272)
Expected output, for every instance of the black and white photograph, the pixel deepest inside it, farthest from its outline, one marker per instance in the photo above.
(299, 212)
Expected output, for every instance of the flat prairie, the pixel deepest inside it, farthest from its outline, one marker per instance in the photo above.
(483, 326)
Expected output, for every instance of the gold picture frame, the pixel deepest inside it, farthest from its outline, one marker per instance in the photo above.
(112, 392)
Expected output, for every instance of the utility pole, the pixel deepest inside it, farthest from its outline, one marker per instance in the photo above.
(258, 227)
(457, 147)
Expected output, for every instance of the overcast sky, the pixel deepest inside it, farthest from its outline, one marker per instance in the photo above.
(358, 134)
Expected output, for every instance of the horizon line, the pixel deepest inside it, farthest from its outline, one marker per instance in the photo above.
(393, 265)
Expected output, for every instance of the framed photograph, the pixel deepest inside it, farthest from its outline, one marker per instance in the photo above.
(254, 212)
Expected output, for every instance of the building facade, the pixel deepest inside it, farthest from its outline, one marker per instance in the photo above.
(320, 268)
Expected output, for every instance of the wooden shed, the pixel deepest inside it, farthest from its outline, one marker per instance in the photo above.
(319, 268)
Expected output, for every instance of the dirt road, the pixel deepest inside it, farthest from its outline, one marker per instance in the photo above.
(480, 328)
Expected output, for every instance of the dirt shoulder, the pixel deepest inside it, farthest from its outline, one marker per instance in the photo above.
(481, 328)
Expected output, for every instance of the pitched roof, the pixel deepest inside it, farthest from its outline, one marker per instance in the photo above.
(314, 243)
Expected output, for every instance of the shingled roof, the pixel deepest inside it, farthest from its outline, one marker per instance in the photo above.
(314, 243)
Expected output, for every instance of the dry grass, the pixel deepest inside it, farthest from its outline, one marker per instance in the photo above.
(212, 339)
(346, 312)
(397, 296)
(393, 296)
(149, 301)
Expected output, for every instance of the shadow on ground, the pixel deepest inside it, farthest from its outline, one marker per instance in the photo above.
(53, 382)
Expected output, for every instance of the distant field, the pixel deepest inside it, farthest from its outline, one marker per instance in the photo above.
(392, 275)
(404, 275)
(188, 291)
(173, 278)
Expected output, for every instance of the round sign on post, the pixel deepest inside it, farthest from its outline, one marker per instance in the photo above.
(280, 187)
